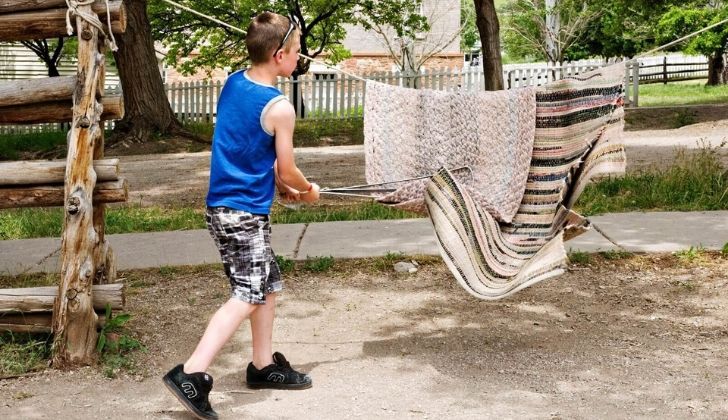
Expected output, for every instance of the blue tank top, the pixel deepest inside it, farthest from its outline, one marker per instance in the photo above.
(243, 152)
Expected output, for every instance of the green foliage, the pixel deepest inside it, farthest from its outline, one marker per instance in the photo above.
(403, 17)
(524, 27)
(693, 16)
(115, 344)
(695, 182)
(284, 264)
(724, 250)
(615, 254)
(578, 257)
(214, 46)
(23, 353)
(691, 254)
(469, 35)
(318, 264)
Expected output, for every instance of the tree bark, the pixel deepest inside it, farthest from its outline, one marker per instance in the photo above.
(716, 69)
(489, 29)
(51, 23)
(52, 195)
(147, 109)
(74, 319)
(58, 111)
(35, 172)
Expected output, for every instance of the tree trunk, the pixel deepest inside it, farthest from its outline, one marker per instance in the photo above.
(147, 109)
(489, 29)
(296, 93)
(716, 69)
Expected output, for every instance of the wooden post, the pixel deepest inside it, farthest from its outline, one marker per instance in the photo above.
(664, 70)
(635, 83)
(74, 319)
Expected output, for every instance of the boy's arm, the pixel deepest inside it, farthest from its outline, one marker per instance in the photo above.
(281, 119)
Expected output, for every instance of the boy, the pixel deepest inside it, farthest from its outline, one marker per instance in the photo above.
(252, 153)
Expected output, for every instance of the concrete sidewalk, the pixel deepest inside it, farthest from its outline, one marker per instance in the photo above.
(635, 232)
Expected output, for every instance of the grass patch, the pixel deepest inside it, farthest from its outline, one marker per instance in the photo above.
(696, 182)
(29, 280)
(328, 132)
(615, 254)
(691, 255)
(115, 344)
(42, 223)
(318, 264)
(319, 213)
(682, 93)
(285, 265)
(724, 250)
(12, 145)
(23, 353)
(578, 257)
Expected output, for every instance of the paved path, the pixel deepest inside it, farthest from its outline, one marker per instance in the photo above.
(635, 232)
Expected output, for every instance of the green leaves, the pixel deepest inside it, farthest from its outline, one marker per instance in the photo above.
(681, 20)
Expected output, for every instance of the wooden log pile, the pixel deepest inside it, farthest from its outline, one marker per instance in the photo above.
(81, 184)
(40, 183)
(30, 309)
(22, 20)
(47, 100)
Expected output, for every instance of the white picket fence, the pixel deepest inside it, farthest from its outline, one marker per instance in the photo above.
(339, 96)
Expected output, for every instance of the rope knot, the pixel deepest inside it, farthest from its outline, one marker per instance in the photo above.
(92, 20)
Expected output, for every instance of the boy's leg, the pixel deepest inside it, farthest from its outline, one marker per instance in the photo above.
(222, 326)
(261, 325)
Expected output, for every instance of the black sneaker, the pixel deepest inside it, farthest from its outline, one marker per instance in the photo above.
(278, 375)
(192, 391)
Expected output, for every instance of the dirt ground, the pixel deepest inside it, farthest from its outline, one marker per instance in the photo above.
(645, 337)
(181, 179)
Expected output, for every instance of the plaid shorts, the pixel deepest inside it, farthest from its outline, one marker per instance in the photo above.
(243, 240)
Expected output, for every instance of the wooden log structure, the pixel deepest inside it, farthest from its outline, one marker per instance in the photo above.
(40, 299)
(35, 323)
(51, 22)
(13, 6)
(33, 91)
(74, 319)
(39, 172)
(53, 195)
(58, 111)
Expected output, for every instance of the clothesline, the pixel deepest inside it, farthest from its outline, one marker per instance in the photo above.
(313, 60)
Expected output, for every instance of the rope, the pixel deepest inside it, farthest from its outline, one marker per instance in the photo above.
(92, 20)
(677, 41)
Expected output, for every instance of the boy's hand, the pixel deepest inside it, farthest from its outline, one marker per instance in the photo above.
(288, 194)
(311, 196)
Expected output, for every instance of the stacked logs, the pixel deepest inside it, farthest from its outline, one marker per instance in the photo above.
(22, 20)
(30, 309)
(81, 184)
(40, 183)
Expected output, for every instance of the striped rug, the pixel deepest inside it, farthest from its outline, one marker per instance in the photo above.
(579, 122)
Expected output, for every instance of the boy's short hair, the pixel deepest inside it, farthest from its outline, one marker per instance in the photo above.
(265, 33)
